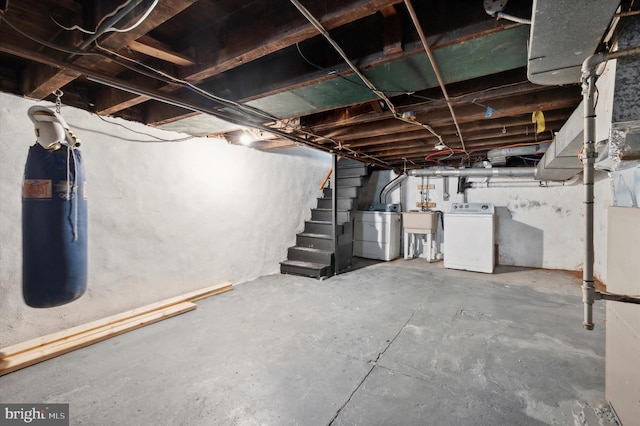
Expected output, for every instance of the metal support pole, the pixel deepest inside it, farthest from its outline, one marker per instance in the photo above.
(588, 159)
(334, 210)
(589, 294)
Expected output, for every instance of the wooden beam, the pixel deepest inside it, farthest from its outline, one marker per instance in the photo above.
(553, 118)
(63, 346)
(485, 145)
(152, 47)
(546, 99)
(191, 296)
(40, 349)
(296, 81)
(481, 95)
(245, 46)
(42, 84)
(392, 31)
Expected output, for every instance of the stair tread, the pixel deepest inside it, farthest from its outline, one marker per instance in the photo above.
(328, 197)
(303, 264)
(314, 250)
(321, 222)
(312, 235)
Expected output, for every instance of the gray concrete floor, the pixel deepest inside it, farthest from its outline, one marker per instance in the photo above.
(395, 343)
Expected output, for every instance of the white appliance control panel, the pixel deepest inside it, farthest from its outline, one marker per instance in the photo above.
(474, 208)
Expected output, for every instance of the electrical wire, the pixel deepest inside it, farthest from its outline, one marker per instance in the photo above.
(193, 87)
(312, 19)
(452, 100)
(169, 78)
(158, 138)
(337, 74)
(111, 29)
(111, 55)
(45, 43)
(423, 39)
(164, 77)
(75, 51)
(134, 26)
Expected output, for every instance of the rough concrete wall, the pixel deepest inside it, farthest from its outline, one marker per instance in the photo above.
(536, 227)
(164, 218)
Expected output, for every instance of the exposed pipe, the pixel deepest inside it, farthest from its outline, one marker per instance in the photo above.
(427, 49)
(334, 212)
(589, 155)
(524, 183)
(390, 186)
(511, 171)
(499, 156)
(513, 18)
(318, 25)
(172, 100)
(106, 25)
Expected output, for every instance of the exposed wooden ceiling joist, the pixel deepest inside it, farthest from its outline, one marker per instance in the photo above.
(261, 63)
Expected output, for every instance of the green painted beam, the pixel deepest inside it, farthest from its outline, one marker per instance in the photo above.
(484, 55)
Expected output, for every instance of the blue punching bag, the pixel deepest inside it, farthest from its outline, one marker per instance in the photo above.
(54, 216)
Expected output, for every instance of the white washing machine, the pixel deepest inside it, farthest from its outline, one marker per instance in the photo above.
(469, 237)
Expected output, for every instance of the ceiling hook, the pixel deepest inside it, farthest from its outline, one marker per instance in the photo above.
(58, 94)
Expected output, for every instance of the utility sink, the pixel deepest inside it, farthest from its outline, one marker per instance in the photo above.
(420, 222)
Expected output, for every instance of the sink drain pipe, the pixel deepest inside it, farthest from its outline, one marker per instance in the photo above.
(589, 77)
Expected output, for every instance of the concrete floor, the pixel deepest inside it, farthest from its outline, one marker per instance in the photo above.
(395, 343)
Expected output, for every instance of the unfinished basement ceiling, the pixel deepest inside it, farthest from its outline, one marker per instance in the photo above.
(212, 67)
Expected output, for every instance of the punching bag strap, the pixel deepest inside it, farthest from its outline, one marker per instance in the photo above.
(52, 132)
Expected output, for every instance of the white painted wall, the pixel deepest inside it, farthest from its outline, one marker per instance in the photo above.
(537, 227)
(164, 218)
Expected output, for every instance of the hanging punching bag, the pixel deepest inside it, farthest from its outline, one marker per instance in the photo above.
(54, 215)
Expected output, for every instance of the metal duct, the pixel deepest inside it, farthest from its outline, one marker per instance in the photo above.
(499, 156)
(391, 186)
(512, 171)
(561, 160)
(563, 34)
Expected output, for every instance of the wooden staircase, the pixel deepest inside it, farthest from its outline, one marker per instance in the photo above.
(314, 254)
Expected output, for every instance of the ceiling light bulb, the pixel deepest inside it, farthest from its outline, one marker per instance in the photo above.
(246, 138)
(440, 146)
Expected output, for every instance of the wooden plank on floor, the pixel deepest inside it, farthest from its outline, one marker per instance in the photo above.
(71, 343)
(64, 334)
